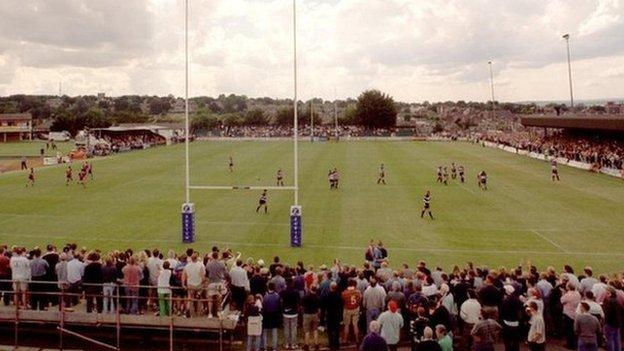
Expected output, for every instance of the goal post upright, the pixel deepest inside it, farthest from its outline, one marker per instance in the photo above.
(295, 114)
(295, 210)
(188, 209)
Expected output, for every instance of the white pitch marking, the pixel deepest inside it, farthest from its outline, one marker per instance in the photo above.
(313, 246)
(240, 187)
(550, 241)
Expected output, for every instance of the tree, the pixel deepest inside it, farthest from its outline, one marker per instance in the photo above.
(159, 106)
(255, 117)
(375, 109)
(285, 116)
(232, 119)
(305, 117)
(349, 116)
(203, 122)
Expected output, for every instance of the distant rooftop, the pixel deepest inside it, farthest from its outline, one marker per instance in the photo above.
(15, 116)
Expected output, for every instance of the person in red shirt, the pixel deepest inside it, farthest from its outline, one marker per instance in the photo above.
(352, 300)
(5, 276)
(31, 178)
(68, 175)
(132, 275)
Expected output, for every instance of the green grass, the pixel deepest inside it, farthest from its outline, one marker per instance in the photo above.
(135, 202)
(31, 148)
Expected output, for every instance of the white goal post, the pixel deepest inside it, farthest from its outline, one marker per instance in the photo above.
(188, 207)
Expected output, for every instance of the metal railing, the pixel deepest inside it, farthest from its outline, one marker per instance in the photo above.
(51, 302)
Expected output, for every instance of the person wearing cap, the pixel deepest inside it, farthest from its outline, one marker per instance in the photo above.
(391, 323)
(373, 341)
(537, 331)
(511, 311)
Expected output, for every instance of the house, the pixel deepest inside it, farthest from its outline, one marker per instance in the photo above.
(15, 127)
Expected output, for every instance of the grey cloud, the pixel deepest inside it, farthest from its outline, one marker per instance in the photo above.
(69, 31)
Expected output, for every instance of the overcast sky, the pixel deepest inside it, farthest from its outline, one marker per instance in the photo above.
(414, 50)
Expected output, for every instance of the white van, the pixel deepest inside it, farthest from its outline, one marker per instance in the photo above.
(59, 136)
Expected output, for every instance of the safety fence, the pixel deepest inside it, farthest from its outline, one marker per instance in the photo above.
(113, 306)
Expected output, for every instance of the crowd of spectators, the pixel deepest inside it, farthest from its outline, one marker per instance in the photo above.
(321, 131)
(600, 151)
(374, 305)
(115, 143)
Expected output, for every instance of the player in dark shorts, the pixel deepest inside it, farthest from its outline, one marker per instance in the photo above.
(81, 178)
(445, 176)
(280, 178)
(482, 179)
(336, 178)
(554, 171)
(231, 164)
(440, 180)
(68, 175)
(382, 175)
(426, 205)
(262, 202)
(461, 173)
(31, 178)
(453, 170)
(24, 165)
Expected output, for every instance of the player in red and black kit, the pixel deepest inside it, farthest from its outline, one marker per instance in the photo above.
(31, 178)
(554, 171)
(88, 169)
(81, 177)
(231, 164)
(68, 175)
(461, 173)
(453, 170)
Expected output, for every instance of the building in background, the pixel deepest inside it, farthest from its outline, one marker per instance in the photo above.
(15, 127)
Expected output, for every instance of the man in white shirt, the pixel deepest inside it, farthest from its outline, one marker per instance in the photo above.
(75, 271)
(193, 278)
(240, 283)
(154, 265)
(470, 313)
(20, 273)
(537, 332)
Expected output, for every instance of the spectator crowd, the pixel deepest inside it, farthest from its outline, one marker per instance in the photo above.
(320, 131)
(600, 151)
(376, 305)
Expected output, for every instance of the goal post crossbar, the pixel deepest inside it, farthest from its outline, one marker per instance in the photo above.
(240, 187)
